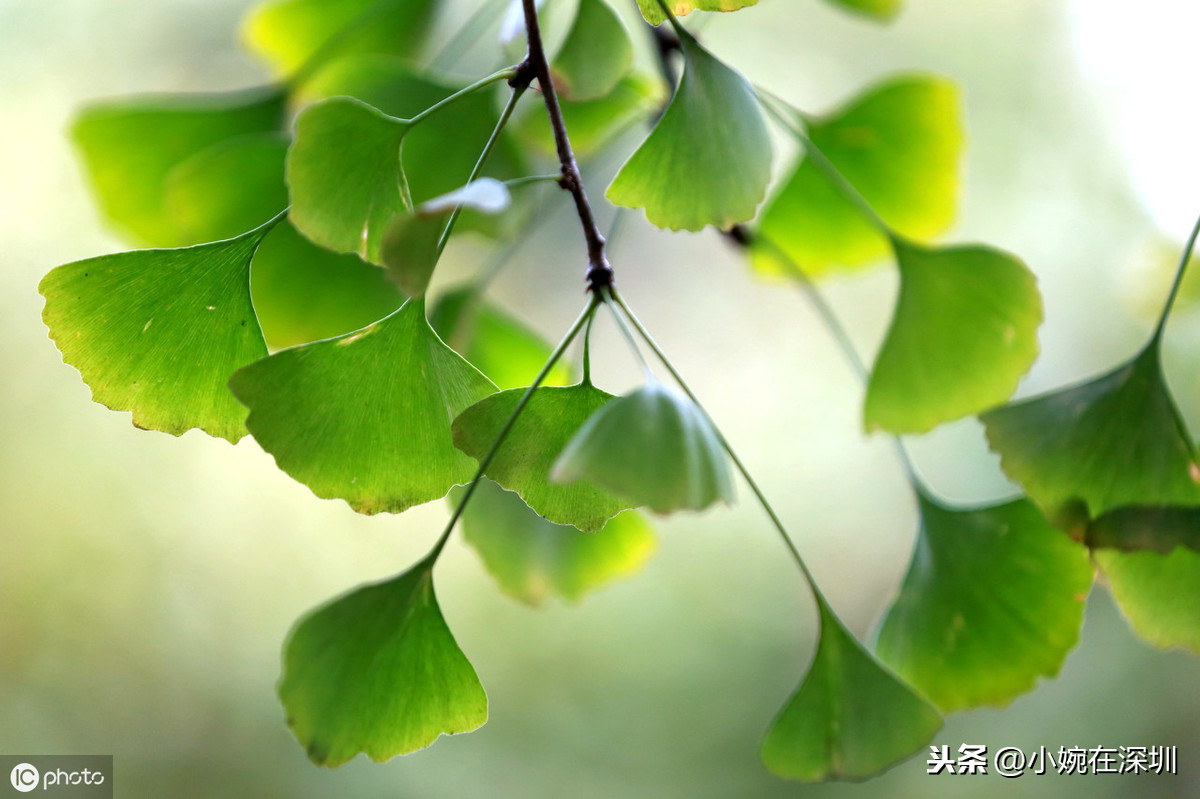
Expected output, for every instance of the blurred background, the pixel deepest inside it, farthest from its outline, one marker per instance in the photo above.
(147, 582)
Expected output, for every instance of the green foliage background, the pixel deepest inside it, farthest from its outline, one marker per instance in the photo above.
(145, 583)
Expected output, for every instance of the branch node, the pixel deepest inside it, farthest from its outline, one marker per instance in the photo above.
(523, 74)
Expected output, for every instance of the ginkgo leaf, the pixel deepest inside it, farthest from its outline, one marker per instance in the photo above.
(654, 14)
(304, 293)
(378, 671)
(963, 333)
(594, 123)
(493, 340)
(881, 9)
(410, 246)
(550, 419)
(1140, 527)
(158, 332)
(533, 559)
(290, 34)
(993, 599)
(654, 447)
(344, 175)
(708, 160)
(850, 719)
(595, 55)
(900, 145)
(439, 152)
(1114, 441)
(1157, 593)
(366, 417)
(231, 187)
(131, 145)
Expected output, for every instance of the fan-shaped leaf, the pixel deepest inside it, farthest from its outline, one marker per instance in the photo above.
(291, 34)
(595, 55)
(653, 447)
(654, 14)
(993, 599)
(1157, 593)
(850, 718)
(439, 152)
(533, 559)
(523, 462)
(131, 145)
(378, 671)
(899, 144)
(344, 175)
(304, 293)
(708, 160)
(158, 332)
(1114, 441)
(365, 417)
(963, 333)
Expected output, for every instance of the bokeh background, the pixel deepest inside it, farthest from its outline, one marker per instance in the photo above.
(147, 582)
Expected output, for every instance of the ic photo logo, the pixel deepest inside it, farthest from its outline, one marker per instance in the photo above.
(24, 777)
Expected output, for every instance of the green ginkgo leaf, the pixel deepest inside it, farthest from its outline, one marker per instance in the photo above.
(231, 187)
(899, 144)
(594, 123)
(655, 15)
(850, 719)
(708, 160)
(344, 176)
(290, 34)
(304, 293)
(963, 333)
(880, 9)
(440, 151)
(1114, 441)
(653, 447)
(493, 340)
(378, 671)
(522, 464)
(1157, 593)
(410, 246)
(993, 599)
(595, 55)
(158, 332)
(366, 417)
(131, 145)
(533, 559)
(1133, 528)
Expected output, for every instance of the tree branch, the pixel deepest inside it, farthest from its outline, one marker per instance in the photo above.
(599, 272)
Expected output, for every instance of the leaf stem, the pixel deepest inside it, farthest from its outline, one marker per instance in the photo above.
(599, 272)
(505, 115)
(680, 31)
(741, 467)
(1176, 283)
(584, 318)
(514, 183)
(822, 163)
(623, 326)
(845, 345)
(508, 73)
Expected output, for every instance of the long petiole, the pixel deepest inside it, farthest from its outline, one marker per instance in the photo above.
(741, 467)
(554, 358)
(1184, 260)
(508, 73)
(845, 345)
(505, 115)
